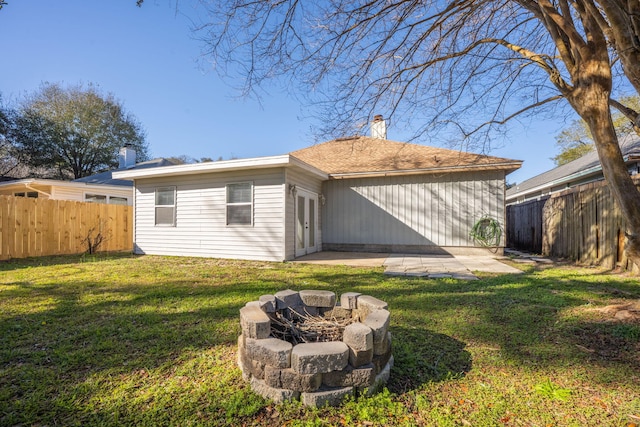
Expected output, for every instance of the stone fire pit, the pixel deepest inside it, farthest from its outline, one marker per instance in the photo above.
(303, 345)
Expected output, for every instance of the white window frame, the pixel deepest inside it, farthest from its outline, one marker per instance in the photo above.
(156, 206)
(126, 200)
(229, 204)
(27, 194)
(107, 199)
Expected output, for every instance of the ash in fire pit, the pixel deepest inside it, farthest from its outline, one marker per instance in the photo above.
(300, 328)
(304, 345)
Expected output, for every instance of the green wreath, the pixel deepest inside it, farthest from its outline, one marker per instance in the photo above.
(487, 231)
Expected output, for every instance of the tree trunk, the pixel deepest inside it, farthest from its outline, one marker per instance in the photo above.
(624, 22)
(588, 64)
(624, 191)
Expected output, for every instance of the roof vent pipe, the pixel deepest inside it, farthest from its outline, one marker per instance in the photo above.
(126, 157)
(378, 127)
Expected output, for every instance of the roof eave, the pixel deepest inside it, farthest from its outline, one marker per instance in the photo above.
(590, 171)
(207, 167)
(309, 168)
(509, 167)
(221, 166)
(53, 182)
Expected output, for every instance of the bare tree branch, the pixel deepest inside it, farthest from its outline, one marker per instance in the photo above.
(459, 69)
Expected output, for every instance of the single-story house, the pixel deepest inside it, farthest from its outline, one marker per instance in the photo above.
(359, 193)
(67, 190)
(584, 170)
(98, 188)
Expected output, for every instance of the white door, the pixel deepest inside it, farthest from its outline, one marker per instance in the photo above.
(306, 222)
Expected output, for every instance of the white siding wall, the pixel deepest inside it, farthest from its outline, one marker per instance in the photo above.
(311, 183)
(418, 210)
(77, 194)
(62, 193)
(201, 228)
(10, 190)
(69, 193)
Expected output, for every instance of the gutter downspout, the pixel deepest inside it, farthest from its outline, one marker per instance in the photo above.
(29, 187)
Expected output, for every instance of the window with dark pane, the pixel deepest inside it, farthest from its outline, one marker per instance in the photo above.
(240, 203)
(165, 206)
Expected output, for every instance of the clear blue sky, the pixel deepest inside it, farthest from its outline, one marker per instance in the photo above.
(148, 58)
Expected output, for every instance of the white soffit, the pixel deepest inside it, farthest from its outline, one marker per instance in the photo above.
(221, 166)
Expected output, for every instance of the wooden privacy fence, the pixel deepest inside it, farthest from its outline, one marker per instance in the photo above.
(524, 225)
(38, 227)
(582, 223)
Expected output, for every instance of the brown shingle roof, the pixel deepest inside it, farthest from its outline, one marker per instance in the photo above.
(362, 155)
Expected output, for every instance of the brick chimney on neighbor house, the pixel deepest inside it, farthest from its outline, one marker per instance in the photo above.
(378, 127)
(126, 157)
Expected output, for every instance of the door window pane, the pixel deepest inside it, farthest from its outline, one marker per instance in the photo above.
(312, 222)
(300, 238)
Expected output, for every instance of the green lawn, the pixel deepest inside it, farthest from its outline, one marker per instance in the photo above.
(125, 340)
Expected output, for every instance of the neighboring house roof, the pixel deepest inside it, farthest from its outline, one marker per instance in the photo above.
(575, 171)
(28, 184)
(106, 178)
(103, 180)
(360, 155)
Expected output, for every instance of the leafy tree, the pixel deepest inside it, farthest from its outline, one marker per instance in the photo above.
(184, 159)
(73, 131)
(8, 162)
(576, 140)
(468, 65)
(4, 119)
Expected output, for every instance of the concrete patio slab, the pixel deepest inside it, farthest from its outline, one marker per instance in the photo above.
(354, 259)
(412, 265)
(486, 264)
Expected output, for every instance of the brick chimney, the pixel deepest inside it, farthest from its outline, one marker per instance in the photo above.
(378, 127)
(126, 157)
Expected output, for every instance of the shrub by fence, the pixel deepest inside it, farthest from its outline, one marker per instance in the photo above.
(582, 223)
(39, 227)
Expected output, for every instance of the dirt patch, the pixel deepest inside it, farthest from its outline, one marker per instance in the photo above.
(626, 312)
(611, 332)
